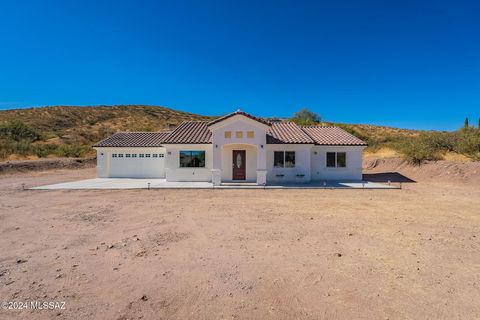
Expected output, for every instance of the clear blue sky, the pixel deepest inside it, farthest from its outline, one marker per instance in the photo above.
(413, 64)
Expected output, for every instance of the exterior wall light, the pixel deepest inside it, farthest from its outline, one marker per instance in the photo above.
(261, 146)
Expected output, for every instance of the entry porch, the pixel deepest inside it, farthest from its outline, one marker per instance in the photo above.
(239, 163)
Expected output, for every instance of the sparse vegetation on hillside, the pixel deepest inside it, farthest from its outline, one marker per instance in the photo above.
(70, 131)
(417, 146)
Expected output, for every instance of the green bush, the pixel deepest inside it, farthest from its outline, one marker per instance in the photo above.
(18, 131)
(8, 147)
(44, 150)
(418, 149)
(468, 142)
(73, 150)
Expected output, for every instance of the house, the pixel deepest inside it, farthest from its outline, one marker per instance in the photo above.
(235, 148)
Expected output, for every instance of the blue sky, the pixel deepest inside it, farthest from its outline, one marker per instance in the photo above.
(413, 64)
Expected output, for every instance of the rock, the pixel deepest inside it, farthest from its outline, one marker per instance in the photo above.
(144, 297)
(21, 261)
(338, 254)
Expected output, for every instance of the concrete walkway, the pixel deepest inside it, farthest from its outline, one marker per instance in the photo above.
(125, 183)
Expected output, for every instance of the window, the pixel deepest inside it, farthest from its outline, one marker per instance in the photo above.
(120, 155)
(161, 155)
(147, 155)
(336, 159)
(127, 155)
(192, 159)
(284, 159)
(141, 155)
(134, 155)
(239, 134)
(289, 159)
(250, 134)
(228, 134)
(155, 155)
(114, 155)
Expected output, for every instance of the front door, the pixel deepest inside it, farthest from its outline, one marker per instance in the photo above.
(238, 165)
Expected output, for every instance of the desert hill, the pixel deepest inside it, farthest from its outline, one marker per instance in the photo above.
(69, 131)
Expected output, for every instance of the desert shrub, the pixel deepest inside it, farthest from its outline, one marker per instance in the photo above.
(442, 141)
(44, 150)
(105, 131)
(418, 149)
(18, 131)
(73, 150)
(9, 146)
(468, 142)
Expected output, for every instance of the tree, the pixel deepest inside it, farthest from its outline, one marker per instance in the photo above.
(306, 117)
(466, 123)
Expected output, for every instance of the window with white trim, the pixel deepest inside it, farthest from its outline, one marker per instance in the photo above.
(284, 159)
(114, 155)
(336, 159)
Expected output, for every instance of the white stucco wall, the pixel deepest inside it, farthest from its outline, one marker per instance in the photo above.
(102, 162)
(255, 147)
(353, 170)
(172, 165)
(289, 175)
(108, 167)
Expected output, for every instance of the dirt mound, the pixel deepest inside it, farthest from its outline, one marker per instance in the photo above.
(46, 164)
(398, 170)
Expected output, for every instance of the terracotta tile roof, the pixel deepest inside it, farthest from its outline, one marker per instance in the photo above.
(239, 112)
(190, 132)
(332, 136)
(198, 132)
(287, 132)
(134, 139)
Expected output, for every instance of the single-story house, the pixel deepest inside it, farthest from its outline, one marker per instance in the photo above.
(235, 148)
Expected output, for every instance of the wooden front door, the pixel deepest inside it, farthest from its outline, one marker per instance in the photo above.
(239, 171)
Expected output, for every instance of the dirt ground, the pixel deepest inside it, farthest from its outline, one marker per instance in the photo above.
(241, 254)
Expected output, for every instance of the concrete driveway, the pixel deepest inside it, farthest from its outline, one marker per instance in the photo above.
(125, 183)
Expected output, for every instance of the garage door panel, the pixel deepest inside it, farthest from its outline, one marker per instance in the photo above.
(136, 167)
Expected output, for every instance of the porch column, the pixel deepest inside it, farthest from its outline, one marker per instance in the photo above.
(217, 164)
(262, 165)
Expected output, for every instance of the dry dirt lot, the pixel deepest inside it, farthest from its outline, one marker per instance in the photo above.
(240, 254)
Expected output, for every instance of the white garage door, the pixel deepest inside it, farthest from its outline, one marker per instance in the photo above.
(137, 165)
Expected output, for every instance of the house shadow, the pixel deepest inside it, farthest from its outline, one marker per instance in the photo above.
(387, 176)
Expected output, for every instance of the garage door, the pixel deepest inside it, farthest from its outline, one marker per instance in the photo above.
(137, 165)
